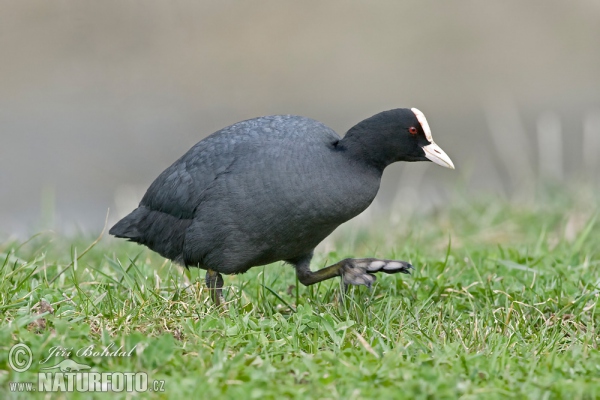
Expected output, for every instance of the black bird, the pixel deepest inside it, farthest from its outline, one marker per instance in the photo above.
(271, 189)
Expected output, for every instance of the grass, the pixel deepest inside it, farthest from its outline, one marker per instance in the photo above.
(502, 304)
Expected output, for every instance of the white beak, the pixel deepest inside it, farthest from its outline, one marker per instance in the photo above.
(434, 153)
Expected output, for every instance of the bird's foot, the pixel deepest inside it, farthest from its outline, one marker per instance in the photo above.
(360, 271)
(216, 295)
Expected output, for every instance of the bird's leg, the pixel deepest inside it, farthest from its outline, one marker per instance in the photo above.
(354, 271)
(214, 283)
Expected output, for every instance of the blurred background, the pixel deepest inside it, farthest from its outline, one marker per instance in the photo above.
(97, 98)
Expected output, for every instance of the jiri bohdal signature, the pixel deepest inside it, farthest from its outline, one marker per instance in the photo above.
(90, 351)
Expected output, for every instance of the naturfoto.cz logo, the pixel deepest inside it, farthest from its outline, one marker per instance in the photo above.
(70, 376)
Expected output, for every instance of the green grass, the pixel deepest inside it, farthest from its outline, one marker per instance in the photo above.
(502, 304)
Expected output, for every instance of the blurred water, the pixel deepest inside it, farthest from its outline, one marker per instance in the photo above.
(96, 99)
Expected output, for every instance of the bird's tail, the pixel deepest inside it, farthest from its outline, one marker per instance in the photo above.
(132, 226)
(159, 231)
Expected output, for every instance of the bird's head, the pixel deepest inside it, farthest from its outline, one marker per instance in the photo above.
(402, 134)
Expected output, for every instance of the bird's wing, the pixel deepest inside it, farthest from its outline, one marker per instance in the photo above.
(178, 190)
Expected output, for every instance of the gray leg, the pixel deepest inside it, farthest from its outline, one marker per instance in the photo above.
(214, 283)
(354, 271)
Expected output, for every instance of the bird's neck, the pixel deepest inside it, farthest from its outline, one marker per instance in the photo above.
(358, 147)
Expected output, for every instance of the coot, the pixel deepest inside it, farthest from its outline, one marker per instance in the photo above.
(272, 188)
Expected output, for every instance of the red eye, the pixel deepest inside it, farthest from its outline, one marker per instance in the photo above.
(412, 130)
